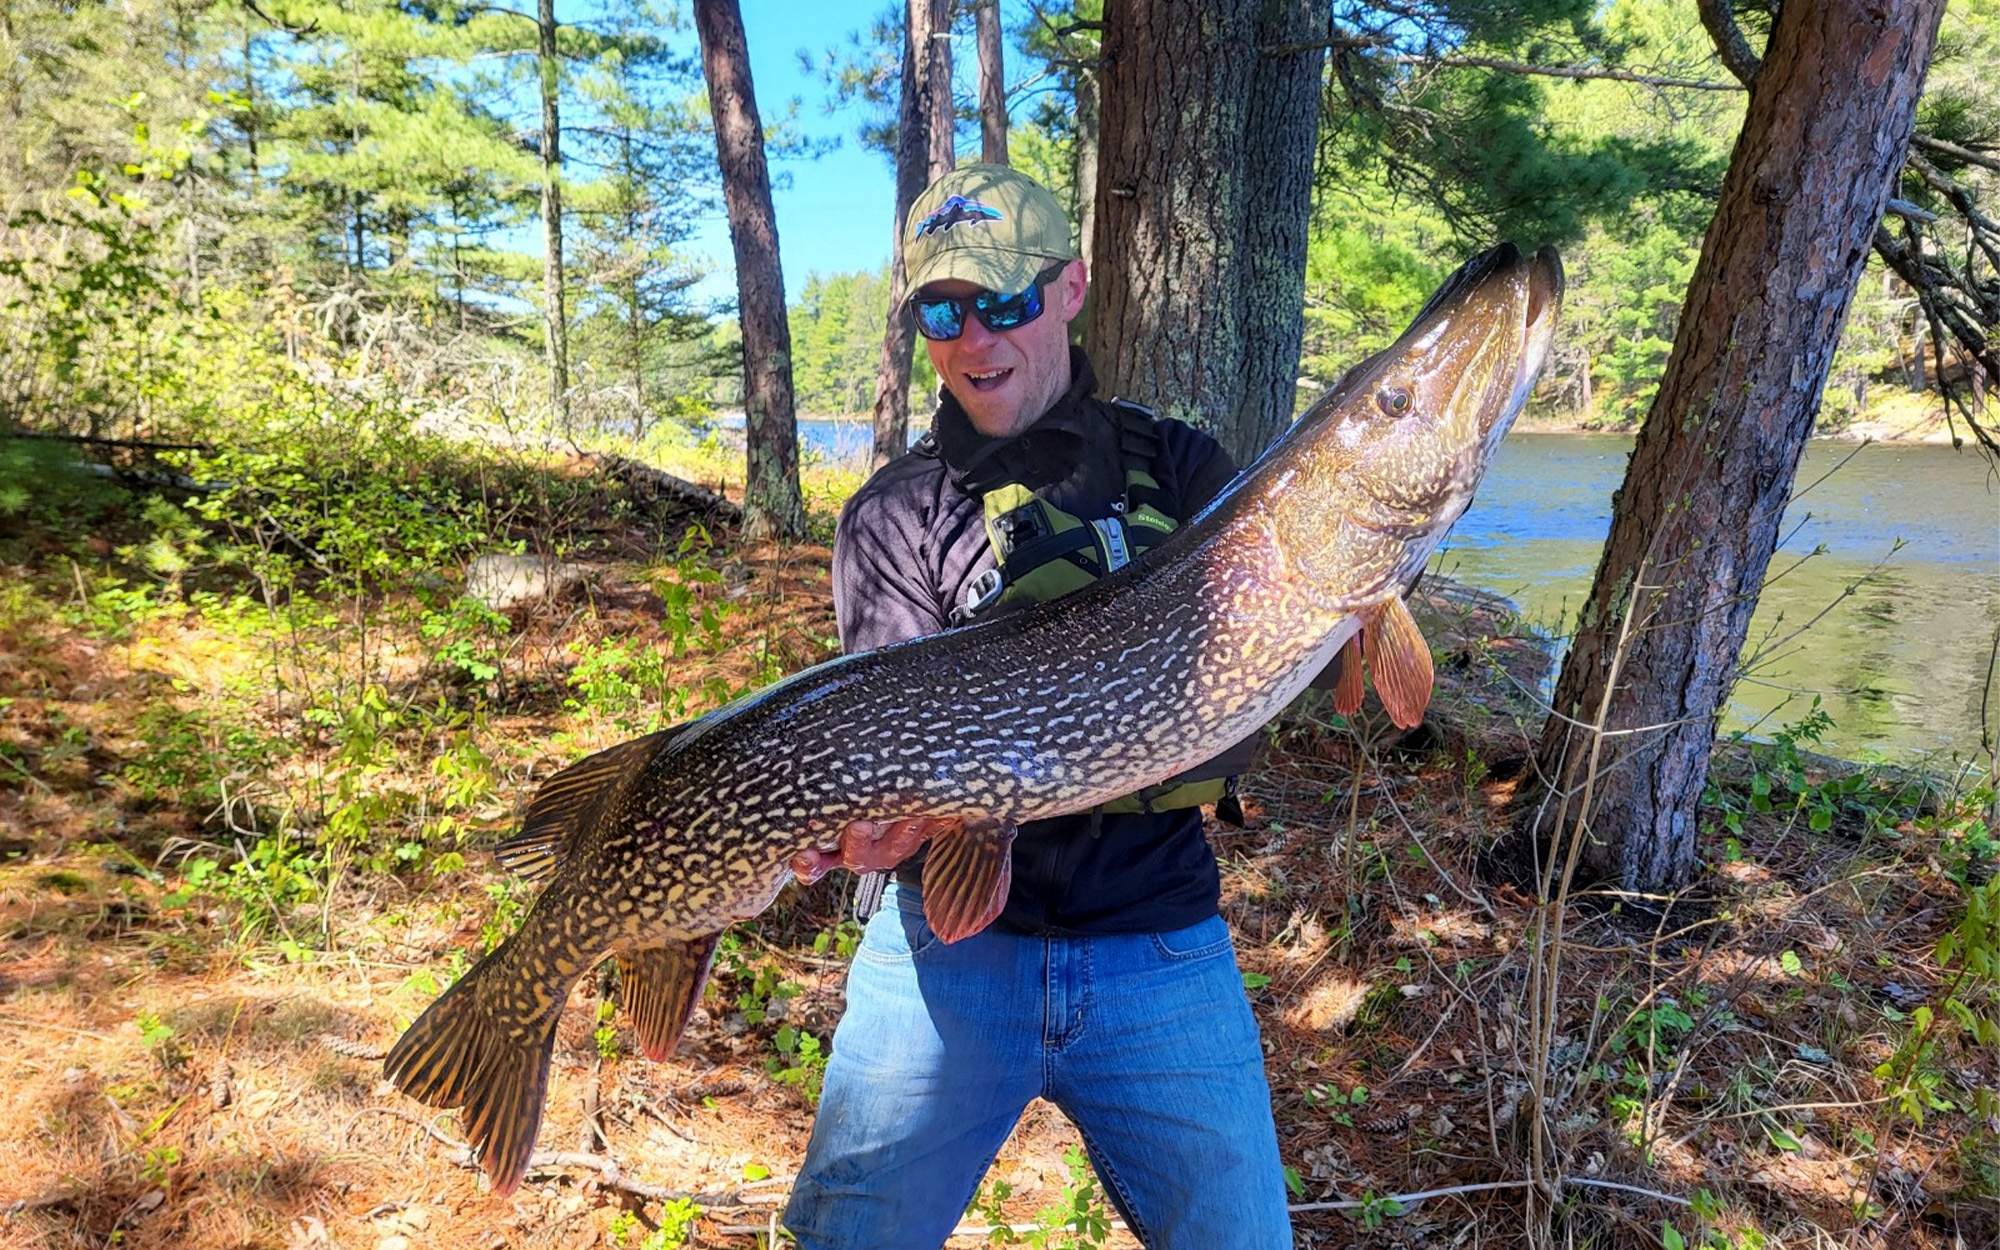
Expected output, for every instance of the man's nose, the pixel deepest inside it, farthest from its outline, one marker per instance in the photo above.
(976, 335)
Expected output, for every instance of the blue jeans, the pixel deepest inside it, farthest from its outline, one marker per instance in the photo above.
(1145, 1041)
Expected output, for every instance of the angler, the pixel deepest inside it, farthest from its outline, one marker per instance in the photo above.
(650, 849)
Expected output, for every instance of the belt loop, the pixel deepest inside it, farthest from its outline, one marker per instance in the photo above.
(868, 890)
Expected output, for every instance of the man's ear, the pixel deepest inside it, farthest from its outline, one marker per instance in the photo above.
(1073, 284)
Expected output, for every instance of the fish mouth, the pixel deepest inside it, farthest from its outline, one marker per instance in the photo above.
(1543, 278)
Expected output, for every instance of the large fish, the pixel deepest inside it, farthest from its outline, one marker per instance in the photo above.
(652, 848)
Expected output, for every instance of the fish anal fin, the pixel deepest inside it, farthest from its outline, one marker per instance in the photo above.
(662, 985)
(1400, 662)
(1348, 690)
(966, 876)
(563, 806)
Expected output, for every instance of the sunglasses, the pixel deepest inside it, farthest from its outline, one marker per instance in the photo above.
(942, 317)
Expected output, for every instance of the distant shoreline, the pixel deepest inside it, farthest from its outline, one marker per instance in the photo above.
(1926, 431)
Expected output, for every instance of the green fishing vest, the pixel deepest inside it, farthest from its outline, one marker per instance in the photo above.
(1044, 552)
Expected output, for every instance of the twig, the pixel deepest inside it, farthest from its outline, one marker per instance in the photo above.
(609, 1172)
(1358, 1204)
(18, 1022)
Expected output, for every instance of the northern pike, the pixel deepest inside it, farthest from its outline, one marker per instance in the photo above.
(652, 848)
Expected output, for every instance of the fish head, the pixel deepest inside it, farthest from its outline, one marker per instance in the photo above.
(1365, 484)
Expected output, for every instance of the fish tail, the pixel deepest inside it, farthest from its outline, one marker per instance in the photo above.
(460, 1053)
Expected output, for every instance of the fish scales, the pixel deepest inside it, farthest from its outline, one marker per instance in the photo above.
(653, 847)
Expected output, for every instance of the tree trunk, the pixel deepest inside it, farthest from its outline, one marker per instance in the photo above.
(1695, 523)
(935, 54)
(992, 85)
(555, 339)
(771, 503)
(635, 316)
(892, 374)
(1278, 165)
(1084, 170)
(1204, 173)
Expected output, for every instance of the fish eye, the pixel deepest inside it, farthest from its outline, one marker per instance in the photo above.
(1394, 401)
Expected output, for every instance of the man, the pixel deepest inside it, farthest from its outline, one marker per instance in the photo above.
(1108, 985)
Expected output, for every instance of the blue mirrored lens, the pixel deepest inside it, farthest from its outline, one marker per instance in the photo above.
(939, 318)
(944, 317)
(1005, 312)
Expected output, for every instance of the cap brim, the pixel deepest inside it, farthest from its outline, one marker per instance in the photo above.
(995, 269)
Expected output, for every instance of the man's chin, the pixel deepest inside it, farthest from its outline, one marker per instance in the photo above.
(994, 420)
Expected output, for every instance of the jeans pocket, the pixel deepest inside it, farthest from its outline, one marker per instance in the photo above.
(898, 932)
(1203, 940)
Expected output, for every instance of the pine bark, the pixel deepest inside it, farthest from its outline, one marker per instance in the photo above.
(1203, 195)
(772, 505)
(1084, 170)
(992, 84)
(555, 339)
(892, 373)
(1278, 165)
(942, 129)
(1695, 524)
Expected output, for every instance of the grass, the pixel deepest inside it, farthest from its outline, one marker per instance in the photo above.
(245, 804)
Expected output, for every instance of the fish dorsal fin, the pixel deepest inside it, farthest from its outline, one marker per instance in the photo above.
(563, 806)
(1400, 662)
(1348, 690)
(662, 985)
(966, 876)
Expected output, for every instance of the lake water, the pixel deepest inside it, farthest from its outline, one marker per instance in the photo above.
(1899, 658)
(1899, 663)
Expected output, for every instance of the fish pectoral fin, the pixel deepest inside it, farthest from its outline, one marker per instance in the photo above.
(1348, 690)
(661, 988)
(566, 802)
(1400, 662)
(966, 876)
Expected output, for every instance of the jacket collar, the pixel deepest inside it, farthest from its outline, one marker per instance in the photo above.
(1047, 452)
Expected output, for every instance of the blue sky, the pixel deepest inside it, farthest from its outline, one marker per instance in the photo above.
(836, 214)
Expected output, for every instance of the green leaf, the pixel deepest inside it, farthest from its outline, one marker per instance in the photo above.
(755, 1171)
(1789, 961)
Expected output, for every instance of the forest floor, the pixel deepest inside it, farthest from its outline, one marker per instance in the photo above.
(224, 889)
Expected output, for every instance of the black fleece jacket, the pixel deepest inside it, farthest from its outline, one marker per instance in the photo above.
(909, 544)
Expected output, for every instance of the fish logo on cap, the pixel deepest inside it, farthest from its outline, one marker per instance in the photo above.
(957, 211)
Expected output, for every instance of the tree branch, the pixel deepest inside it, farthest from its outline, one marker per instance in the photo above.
(1581, 72)
(1737, 55)
(1943, 148)
(275, 24)
(1947, 322)
(1356, 43)
(1338, 43)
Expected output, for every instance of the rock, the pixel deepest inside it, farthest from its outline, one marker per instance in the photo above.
(501, 580)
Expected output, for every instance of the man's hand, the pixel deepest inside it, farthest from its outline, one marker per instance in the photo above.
(871, 845)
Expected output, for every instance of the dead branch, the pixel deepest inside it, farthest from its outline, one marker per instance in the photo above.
(90, 440)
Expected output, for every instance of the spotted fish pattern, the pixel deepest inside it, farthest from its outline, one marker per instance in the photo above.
(652, 848)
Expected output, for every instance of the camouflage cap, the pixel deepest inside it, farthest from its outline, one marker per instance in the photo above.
(984, 224)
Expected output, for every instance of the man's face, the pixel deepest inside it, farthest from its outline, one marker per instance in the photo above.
(1005, 380)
